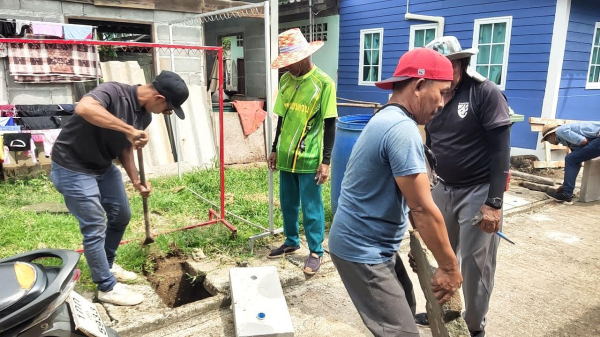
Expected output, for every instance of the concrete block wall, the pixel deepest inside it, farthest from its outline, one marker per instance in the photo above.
(254, 44)
(190, 67)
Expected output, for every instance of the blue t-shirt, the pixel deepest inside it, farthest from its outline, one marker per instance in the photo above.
(372, 214)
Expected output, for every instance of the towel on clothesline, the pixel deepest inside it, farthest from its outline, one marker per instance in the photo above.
(7, 110)
(251, 115)
(42, 63)
(7, 121)
(47, 29)
(78, 32)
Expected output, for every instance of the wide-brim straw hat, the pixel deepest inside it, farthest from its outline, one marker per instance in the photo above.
(450, 47)
(547, 130)
(294, 48)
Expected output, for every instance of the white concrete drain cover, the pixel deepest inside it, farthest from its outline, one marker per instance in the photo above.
(259, 307)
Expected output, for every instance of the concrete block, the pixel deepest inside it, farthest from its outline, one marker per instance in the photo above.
(166, 17)
(590, 183)
(197, 78)
(101, 11)
(162, 33)
(259, 306)
(136, 14)
(10, 4)
(22, 96)
(70, 8)
(186, 34)
(444, 320)
(41, 6)
(188, 64)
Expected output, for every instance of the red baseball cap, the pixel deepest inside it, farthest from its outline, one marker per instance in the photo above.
(420, 63)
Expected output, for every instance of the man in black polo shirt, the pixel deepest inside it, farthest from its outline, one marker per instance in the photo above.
(471, 141)
(107, 122)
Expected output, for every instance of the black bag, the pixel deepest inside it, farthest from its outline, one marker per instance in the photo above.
(17, 141)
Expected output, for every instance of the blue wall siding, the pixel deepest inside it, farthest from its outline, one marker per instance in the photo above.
(574, 101)
(527, 63)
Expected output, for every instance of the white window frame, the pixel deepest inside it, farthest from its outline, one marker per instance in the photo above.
(592, 85)
(413, 30)
(363, 32)
(477, 25)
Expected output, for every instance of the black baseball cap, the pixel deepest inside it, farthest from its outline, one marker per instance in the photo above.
(172, 86)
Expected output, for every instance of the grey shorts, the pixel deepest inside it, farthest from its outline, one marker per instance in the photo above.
(379, 296)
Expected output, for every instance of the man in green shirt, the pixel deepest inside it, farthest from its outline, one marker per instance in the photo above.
(306, 106)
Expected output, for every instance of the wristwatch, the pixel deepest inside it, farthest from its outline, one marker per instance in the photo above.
(494, 202)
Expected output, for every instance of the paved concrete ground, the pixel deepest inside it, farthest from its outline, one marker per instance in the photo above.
(546, 285)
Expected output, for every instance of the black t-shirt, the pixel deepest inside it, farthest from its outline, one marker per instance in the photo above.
(84, 147)
(457, 136)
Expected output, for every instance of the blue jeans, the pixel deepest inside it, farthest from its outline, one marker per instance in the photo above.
(573, 163)
(100, 204)
(296, 188)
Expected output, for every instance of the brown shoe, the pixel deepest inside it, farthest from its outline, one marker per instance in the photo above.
(282, 251)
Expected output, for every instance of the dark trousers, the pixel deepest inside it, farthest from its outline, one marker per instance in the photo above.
(573, 163)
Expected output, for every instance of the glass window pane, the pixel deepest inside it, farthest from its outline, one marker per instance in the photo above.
(375, 57)
(483, 70)
(595, 55)
(496, 74)
(597, 74)
(367, 57)
(485, 33)
(366, 70)
(376, 37)
(483, 57)
(591, 74)
(597, 42)
(367, 44)
(429, 35)
(597, 49)
(497, 53)
(419, 38)
(373, 76)
(500, 32)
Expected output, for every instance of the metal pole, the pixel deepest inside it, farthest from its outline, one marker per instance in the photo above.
(177, 150)
(269, 105)
(94, 37)
(221, 140)
(310, 20)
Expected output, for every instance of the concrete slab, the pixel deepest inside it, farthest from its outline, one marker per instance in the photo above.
(259, 306)
(590, 183)
(50, 207)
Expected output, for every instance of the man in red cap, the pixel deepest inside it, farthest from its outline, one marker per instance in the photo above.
(386, 177)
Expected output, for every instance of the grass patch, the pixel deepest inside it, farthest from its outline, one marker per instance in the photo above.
(247, 196)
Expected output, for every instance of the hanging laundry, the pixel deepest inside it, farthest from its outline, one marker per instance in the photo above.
(251, 115)
(7, 110)
(7, 121)
(77, 32)
(38, 110)
(31, 152)
(1, 149)
(68, 109)
(7, 28)
(6, 155)
(40, 123)
(37, 137)
(22, 26)
(56, 63)
(47, 29)
(49, 137)
(11, 128)
(17, 141)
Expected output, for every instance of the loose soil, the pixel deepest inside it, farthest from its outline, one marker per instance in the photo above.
(174, 285)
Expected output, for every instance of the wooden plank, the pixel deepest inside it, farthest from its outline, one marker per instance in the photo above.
(215, 5)
(544, 121)
(139, 4)
(81, 1)
(188, 6)
(549, 164)
(547, 151)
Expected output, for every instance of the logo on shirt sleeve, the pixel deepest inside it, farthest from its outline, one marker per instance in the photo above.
(463, 108)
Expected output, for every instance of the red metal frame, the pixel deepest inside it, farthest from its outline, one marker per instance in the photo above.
(213, 216)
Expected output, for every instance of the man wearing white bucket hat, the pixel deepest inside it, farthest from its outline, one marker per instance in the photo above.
(471, 142)
(306, 105)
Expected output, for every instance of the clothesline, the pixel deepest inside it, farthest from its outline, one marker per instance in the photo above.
(45, 22)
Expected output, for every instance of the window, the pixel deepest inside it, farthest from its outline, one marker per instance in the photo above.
(593, 79)
(492, 37)
(319, 31)
(371, 47)
(421, 35)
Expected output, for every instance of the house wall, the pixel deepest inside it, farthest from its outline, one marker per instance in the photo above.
(326, 57)
(527, 62)
(191, 68)
(254, 49)
(574, 101)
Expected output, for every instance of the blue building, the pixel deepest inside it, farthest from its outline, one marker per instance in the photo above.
(544, 54)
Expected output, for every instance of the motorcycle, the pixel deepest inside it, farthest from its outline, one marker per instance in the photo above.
(38, 300)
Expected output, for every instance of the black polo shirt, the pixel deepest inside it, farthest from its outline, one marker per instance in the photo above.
(84, 147)
(457, 136)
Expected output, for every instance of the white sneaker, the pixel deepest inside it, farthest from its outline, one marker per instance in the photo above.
(121, 295)
(121, 274)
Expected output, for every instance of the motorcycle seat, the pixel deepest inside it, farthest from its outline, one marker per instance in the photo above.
(22, 282)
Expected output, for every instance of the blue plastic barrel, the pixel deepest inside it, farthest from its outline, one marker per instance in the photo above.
(348, 128)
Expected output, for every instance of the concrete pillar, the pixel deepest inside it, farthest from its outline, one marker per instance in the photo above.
(590, 183)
